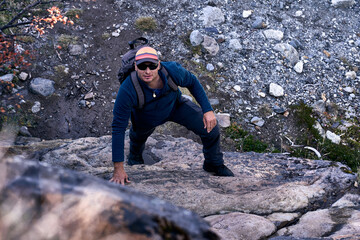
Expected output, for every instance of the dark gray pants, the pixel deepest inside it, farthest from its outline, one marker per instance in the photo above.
(189, 115)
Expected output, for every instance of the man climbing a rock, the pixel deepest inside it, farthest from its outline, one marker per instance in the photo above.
(161, 102)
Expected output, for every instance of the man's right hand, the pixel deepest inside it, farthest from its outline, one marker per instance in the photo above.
(119, 175)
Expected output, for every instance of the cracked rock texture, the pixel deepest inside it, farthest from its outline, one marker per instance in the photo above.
(271, 195)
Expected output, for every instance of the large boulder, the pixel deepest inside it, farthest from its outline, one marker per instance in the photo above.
(273, 191)
(38, 201)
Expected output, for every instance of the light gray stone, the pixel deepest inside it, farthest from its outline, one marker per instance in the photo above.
(235, 226)
(223, 119)
(319, 106)
(342, 3)
(299, 66)
(350, 75)
(247, 13)
(210, 45)
(212, 16)
(7, 77)
(234, 44)
(349, 89)
(42, 86)
(196, 38)
(333, 137)
(36, 107)
(237, 88)
(318, 127)
(257, 121)
(276, 90)
(23, 76)
(274, 34)
(312, 224)
(288, 51)
(210, 67)
(348, 200)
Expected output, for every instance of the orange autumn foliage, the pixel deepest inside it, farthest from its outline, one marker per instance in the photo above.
(54, 17)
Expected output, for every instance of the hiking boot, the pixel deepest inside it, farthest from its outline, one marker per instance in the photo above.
(220, 170)
(135, 159)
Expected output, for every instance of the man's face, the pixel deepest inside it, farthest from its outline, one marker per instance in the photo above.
(147, 71)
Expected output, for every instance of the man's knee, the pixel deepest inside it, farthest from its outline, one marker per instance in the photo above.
(214, 133)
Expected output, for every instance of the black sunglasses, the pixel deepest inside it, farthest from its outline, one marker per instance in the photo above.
(145, 65)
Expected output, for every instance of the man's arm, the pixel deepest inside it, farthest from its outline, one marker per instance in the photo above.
(122, 110)
(119, 175)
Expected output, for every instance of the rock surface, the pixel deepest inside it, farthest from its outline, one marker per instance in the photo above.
(38, 201)
(287, 190)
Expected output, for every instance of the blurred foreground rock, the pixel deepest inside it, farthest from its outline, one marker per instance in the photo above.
(271, 194)
(42, 202)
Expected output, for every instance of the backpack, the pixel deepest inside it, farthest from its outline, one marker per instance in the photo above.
(128, 68)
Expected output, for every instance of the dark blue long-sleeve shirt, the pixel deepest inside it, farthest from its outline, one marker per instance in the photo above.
(156, 110)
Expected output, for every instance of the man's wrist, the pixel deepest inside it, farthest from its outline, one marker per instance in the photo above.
(118, 165)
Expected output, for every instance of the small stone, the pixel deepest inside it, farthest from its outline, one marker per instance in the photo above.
(319, 106)
(212, 16)
(259, 23)
(349, 89)
(276, 90)
(23, 76)
(42, 86)
(196, 38)
(318, 127)
(7, 78)
(210, 45)
(257, 121)
(115, 34)
(288, 51)
(357, 43)
(247, 13)
(24, 131)
(235, 44)
(237, 88)
(36, 107)
(298, 13)
(350, 75)
(333, 137)
(342, 3)
(299, 67)
(82, 103)
(210, 67)
(223, 119)
(89, 95)
(274, 34)
(262, 94)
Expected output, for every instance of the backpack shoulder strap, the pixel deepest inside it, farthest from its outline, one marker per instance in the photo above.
(171, 82)
(138, 89)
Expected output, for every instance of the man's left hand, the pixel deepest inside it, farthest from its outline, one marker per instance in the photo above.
(209, 120)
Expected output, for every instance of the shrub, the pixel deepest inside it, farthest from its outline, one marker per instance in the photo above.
(146, 24)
